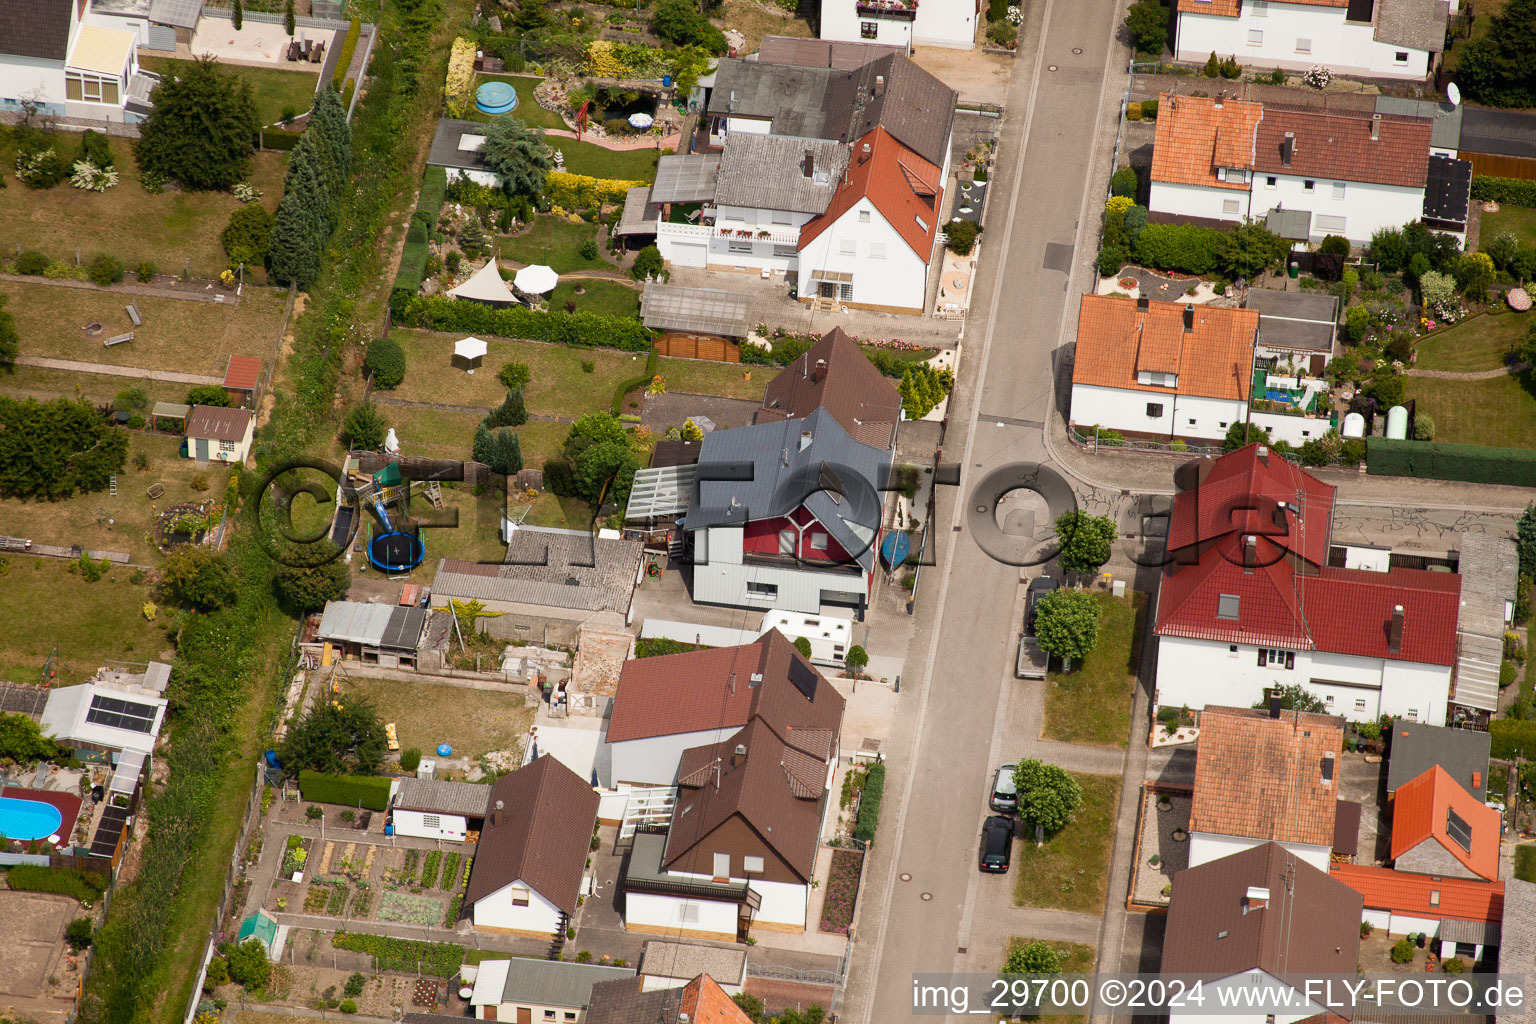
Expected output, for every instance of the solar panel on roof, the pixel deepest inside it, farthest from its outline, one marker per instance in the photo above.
(804, 678)
(1458, 830)
(121, 714)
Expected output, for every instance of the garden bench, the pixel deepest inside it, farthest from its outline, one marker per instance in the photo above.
(133, 314)
(317, 53)
(118, 340)
(155, 490)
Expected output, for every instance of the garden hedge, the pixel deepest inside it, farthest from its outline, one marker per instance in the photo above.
(1512, 738)
(574, 191)
(339, 76)
(279, 138)
(1183, 247)
(1436, 461)
(1512, 191)
(869, 804)
(367, 791)
(434, 190)
(85, 886)
(578, 330)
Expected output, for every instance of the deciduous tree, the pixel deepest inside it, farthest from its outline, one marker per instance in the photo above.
(196, 577)
(1067, 624)
(1032, 958)
(1085, 541)
(1048, 795)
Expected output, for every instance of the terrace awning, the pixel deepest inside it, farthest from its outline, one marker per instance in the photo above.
(669, 307)
(171, 410)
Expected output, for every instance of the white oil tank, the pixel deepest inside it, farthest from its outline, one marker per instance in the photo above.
(1397, 423)
(1354, 425)
(426, 770)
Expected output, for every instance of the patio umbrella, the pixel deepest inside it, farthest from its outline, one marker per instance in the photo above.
(536, 280)
(471, 350)
(641, 120)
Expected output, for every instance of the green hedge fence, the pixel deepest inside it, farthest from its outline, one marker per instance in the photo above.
(1511, 191)
(367, 791)
(869, 804)
(1512, 738)
(1435, 461)
(578, 330)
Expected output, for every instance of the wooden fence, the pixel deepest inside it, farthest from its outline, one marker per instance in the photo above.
(1497, 166)
(694, 346)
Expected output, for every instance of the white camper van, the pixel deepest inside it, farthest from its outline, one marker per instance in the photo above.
(830, 635)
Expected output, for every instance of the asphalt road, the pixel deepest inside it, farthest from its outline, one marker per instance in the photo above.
(926, 876)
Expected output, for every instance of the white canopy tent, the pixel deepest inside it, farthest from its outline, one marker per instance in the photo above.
(485, 285)
(536, 280)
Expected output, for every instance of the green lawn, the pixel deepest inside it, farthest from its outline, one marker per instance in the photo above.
(275, 89)
(1070, 871)
(1525, 862)
(1092, 704)
(1484, 12)
(1519, 219)
(1500, 412)
(527, 110)
(554, 242)
(609, 298)
(558, 386)
(625, 165)
(483, 720)
(1076, 958)
(168, 229)
(44, 385)
(730, 380)
(90, 623)
(1479, 344)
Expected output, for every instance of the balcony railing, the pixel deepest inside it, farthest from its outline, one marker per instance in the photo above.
(781, 235)
(878, 9)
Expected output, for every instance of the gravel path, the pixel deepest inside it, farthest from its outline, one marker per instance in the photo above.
(1498, 371)
(117, 371)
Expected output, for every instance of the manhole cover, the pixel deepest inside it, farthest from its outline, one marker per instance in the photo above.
(927, 896)
(982, 508)
(905, 877)
(1077, 49)
(1051, 67)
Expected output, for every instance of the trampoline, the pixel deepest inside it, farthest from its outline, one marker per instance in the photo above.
(496, 98)
(396, 552)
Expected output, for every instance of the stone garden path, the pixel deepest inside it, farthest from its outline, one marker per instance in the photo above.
(74, 366)
(1498, 371)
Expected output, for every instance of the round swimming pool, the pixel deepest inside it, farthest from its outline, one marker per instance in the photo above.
(26, 820)
(496, 98)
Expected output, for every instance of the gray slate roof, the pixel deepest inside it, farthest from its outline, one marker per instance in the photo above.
(682, 960)
(555, 982)
(548, 567)
(1416, 748)
(788, 472)
(791, 97)
(768, 172)
(1301, 321)
(445, 150)
(822, 53)
(1498, 132)
(439, 797)
(1446, 130)
(685, 178)
(1517, 943)
(35, 28)
(1488, 578)
(1419, 24)
(625, 1002)
(914, 106)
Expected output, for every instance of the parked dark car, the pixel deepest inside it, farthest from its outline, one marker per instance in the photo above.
(996, 844)
(1005, 795)
(1038, 588)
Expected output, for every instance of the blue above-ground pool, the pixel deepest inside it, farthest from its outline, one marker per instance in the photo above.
(496, 98)
(26, 820)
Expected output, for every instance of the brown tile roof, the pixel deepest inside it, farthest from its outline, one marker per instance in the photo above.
(243, 373)
(1197, 134)
(834, 374)
(217, 423)
(822, 53)
(1421, 811)
(542, 837)
(1262, 778)
(1309, 925)
(694, 691)
(902, 185)
(35, 28)
(1337, 145)
(1116, 340)
(706, 1002)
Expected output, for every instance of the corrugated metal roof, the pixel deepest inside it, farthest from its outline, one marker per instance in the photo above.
(1485, 933)
(1487, 570)
(176, 13)
(1295, 225)
(672, 307)
(1517, 941)
(354, 622)
(663, 491)
(218, 423)
(685, 178)
(556, 983)
(639, 213)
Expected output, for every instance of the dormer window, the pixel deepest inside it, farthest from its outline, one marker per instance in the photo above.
(1156, 379)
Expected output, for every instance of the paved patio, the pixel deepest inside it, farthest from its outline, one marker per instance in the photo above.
(256, 43)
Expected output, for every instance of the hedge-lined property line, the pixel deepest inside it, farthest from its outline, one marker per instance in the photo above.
(1511, 191)
(1433, 460)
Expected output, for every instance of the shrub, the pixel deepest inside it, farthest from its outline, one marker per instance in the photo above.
(248, 964)
(1402, 952)
(1112, 258)
(364, 427)
(32, 263)
(1001, 33)
(1336, 245)
(410, 760)
(368, 791)
(1423, 427)
(347, 47)
(869, 804)
(648, 263)
(1149, 110)
(105, 269)
(197, 577)
(1133, 112)
(514, 376)
(1123, 182)
(1357, 320)
(247, 235)
(385, 363)
(85, 886)
(573, 191)
(1184, 247)
(1509, 739)
(1147, 21)
(1510, 191)
(78, 933)
(803, 645)
(512, 412)
(1212, 66)
(145, 271)
(588, 249)
(962, 236)
(498, 449)
(1454, 965)
(208, 394)
(218, 974)
(348, 1006)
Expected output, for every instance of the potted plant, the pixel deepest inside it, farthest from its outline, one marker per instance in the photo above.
(1180, 835)
(1164, 802)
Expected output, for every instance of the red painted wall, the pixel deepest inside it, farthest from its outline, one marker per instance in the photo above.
(762, 538)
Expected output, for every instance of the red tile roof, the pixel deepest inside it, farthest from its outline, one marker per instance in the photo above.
(1262, 778)
(1241, 494)
(243, 373)
(1337, 144)
(1349, 611)
(1411, 895)
(1231, 8)
(1116, 341)
(905, 188)
(1196, 134)
(705, 1002)
(1420, 813)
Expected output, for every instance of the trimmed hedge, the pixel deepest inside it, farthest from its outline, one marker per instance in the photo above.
(1512, 738)
(574, 191)
(869, 804)
(434, 191)
(1436, 461)
(367, 791)
(1185, 247)
(578, 330)
(279, 138)
(85, 886)
(339, 76)
(652, 364)
(413, 258)
(1513, 191)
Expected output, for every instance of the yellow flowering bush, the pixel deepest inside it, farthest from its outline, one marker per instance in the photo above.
(579, 190)
(1117, 205)
(461, 75)
(602, 62)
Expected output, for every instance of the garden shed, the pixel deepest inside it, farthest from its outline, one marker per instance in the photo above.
(433, 809)
(241, 377)
(259, 926)
(380, 634)
(218, 434)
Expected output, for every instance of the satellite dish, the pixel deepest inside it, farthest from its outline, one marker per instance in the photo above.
(1453, 94)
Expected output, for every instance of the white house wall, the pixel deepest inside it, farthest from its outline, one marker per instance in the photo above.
(841, 20)
(653, 761)
(1366, 208)
(949, 23)
(648, 912)
(452, 827)
(496, 911)
(1198, 201)
(1296, 430)
(486, 178)
(1245, 980)
(1345, 47)
(29, 78)
(1182, 415)
(799, 590)
(1205, 847)
(898, 279)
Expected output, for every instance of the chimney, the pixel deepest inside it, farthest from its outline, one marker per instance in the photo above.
(1288, 148)
(1250, 552)
(741, 750)
(1274, 704)
(805, 439)
(1143, 304)
(1189, 318)
(1256, 898)
(682, 1018)
(864, 152)
(1279, 515)
(1375, 127)
(808, 165)
(1263, 454)
(1395, 634)
(820, 373)
(879, 85)
(496, 815)
(1328, 768)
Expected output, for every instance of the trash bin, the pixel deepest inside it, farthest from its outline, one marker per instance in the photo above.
(1294, 269)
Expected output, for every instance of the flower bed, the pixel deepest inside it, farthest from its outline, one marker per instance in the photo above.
(842, 894)
(407, 909)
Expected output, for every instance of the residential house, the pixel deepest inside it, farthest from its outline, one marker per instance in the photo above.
(1440, 829)
(1264, 914)
(533, 851)
(672, 703)
(904, 23)
(217, 434)
(62, 60)
(800, 530)
(1400, 902)
(833, 176)
(834, 374)
(1371, 38)
(1266, 777)
(1416, 748)
(100, 722)
(630, 1001)
(521, 990)
(1304, 172)
(1250, 600)
(534, 590)
(1297, 330)
(665, 963)
(435, 809)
